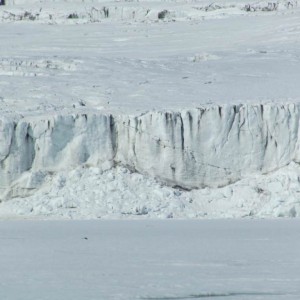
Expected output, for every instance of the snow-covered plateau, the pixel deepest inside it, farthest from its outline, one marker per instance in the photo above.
(163, 109)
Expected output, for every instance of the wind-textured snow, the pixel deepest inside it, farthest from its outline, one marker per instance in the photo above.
(194, 94)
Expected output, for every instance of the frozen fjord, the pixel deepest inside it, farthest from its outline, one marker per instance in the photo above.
(125, 67)
(239, 259)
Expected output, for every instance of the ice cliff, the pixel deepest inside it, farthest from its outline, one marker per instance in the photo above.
(209, 146)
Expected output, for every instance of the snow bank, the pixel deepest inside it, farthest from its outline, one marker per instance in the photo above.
(209, 146)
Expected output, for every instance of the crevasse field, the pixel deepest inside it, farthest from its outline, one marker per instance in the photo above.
(167, 131)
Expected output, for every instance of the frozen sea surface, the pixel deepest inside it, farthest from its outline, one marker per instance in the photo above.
(223, 259)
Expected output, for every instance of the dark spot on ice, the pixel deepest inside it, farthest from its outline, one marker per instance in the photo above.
(173, 169)
(72, 16)
(213, 295)
(181, 188)
(220, 111)
(85, 238)
(235, 109)
(81, 102)
(259, 190)
(162, 14)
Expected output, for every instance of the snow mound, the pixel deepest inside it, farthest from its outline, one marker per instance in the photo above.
(37, 67)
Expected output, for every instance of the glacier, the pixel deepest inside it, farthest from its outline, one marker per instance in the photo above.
(209, 146)
(138, 109)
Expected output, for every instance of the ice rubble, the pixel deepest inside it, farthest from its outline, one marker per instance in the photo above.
(117, 193)
(210, 146)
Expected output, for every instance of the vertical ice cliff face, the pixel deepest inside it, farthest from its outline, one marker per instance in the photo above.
(51, 144)
(208, 146)
(67, 141)
(16, 149)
